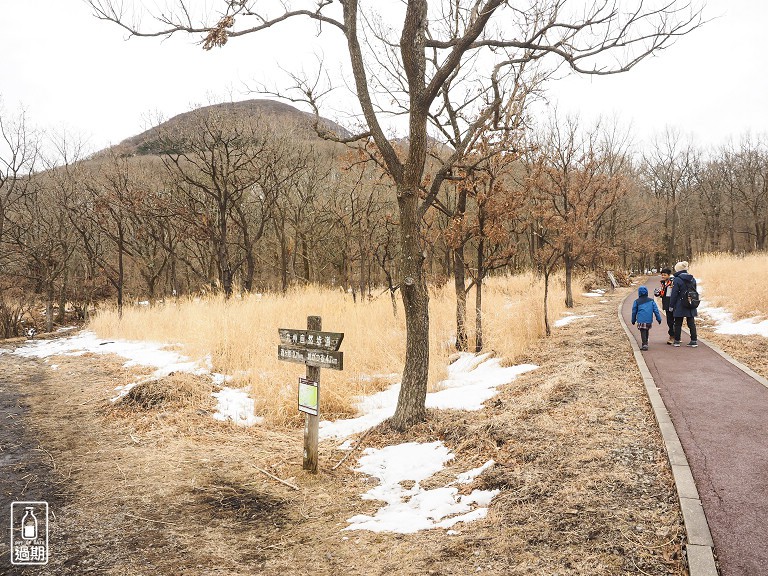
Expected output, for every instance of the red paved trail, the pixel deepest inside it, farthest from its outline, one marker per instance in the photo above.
(721, 416)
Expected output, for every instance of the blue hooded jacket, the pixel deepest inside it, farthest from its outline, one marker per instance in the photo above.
(644, 308)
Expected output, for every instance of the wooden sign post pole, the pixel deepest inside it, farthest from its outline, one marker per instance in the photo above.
(315, 349)
(312, 421)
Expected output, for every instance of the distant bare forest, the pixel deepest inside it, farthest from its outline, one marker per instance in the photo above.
(238, 198)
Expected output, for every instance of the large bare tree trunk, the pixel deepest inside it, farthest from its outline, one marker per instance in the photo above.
(413, 390)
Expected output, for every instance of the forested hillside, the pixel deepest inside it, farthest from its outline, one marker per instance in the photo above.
(247, 197)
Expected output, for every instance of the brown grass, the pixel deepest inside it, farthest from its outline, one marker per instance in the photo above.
(736, 283)
(176, 391)
(586, 484)
(241, 338)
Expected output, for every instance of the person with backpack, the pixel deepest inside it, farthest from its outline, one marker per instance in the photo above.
(664, 292)
(683, 302)
(643, 311)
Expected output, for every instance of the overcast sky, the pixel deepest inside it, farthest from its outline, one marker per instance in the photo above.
(72, 71)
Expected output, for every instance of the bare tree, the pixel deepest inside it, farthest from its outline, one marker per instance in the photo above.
(670, 170)
(487, 226)
(19, 156)
(402, 70)
(577, 177)
(751, 166)
(216, 164)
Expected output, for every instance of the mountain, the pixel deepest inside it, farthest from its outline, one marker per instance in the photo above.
(271, 110)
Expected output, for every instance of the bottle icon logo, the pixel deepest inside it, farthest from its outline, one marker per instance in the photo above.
(29, 533)
(29, 524)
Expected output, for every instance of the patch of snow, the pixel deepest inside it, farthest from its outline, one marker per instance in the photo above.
(468, 476)
(409, 510)
(233, 404)
(237, 406)
(568, 319)
(725, 324)
(472, 379)
(345, 446)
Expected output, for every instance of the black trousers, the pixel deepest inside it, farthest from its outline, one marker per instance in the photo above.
(670, 324)
(679, 327)
(644, 335)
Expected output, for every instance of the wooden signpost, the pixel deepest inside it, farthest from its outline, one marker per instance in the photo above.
(315, 349)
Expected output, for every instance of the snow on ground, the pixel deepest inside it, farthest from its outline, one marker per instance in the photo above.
(596, 293)
(237, 406)
(468, 476)
(471, 381)
(233, 404)
(413, 509)
(570, 318)
(725, 324)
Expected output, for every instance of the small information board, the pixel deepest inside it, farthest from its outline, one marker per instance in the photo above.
(309, 396)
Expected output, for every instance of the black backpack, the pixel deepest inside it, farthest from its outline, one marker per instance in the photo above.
(690, 297)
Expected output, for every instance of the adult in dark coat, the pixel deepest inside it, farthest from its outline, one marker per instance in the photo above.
(681, 281)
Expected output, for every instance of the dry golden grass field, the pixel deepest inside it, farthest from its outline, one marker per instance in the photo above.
(241, 336)
(585, 482)
(739, 285)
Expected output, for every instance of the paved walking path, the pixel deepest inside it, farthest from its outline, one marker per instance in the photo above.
(720, 414)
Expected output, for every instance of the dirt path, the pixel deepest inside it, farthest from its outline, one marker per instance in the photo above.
(167, 490)
(26, 468)
(721, 416)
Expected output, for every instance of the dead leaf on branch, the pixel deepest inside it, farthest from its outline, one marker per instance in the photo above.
(218, 35)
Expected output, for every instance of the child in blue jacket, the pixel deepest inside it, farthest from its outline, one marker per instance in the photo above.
(643, 311)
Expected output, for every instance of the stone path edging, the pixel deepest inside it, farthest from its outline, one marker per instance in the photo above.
(699, 545)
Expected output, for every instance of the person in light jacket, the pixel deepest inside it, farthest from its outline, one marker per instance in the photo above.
(664, 292)
(643, 311)
(680, 283)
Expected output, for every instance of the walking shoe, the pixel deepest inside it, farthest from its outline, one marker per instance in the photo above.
(644, 347)
(676, 344)
(670, 340)
(693, 344)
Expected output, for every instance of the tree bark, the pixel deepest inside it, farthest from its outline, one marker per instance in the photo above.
(460, 284)
(547, 329)
(413, 389)
(568, 281)
(479, 292)
(49, 294)
(62, 316)
(459, 280)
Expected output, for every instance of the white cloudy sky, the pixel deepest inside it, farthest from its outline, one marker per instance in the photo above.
(71, 71)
